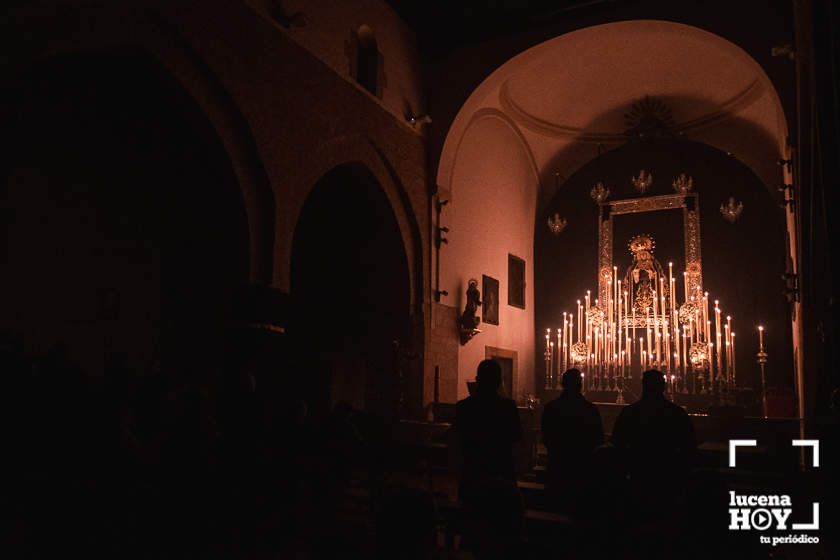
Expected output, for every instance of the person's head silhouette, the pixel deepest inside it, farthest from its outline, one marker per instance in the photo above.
(488, 378)
(572, 382)
(653, 383)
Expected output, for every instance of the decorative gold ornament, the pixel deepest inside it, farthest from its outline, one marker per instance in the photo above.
(556, 224)
(595, 315)
(643, 181)
(643, 298)
(641, 243)
(599, 192)
(683, 184)
(687, 313)
(649, 117)
(579, 352)
(731, 211)
(697, 355)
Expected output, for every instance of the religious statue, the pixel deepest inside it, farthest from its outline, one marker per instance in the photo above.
(643, 273)
(469, 322)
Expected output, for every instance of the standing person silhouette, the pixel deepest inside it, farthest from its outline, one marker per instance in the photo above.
(571, 430)
(656, 439)
(487, 425)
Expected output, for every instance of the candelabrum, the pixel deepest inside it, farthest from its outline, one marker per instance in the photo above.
(761, 358)
(556, 224)
(643, 181)
(548, 380)
(599, 192)
(762, 362)
(683, 184)
(731, 211)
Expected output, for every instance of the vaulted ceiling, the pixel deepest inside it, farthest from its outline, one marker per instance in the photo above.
(599, 87)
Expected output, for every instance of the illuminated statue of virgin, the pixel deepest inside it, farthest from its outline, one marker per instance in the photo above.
(642, 276)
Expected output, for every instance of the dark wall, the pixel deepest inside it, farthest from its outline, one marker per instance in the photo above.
(350, 285)
(742, 262)
(124, 230)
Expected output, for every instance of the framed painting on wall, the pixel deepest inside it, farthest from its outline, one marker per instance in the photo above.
(516, 281)
(490, 300)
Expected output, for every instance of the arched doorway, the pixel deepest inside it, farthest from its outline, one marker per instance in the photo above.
(125, 229)
(350, 282)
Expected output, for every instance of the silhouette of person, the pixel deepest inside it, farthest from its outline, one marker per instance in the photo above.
(571, 430)
(657, 440)
(487, 425)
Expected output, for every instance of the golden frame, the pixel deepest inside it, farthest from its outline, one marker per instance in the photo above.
(690, 204)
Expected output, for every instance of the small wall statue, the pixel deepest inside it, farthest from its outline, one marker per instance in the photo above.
(469, 322)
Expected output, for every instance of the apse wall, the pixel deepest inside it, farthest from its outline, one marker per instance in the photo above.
(743, 262)
(490, 215)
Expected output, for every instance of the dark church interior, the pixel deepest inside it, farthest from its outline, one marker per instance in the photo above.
(391, 279)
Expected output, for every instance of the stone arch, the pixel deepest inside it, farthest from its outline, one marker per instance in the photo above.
(350, 285)
(491, 113)
(110, 27)
(358, 149)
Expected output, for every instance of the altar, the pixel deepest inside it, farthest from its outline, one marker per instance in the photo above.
(645, 314)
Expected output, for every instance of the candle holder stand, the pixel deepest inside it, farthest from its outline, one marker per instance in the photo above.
(761, 357)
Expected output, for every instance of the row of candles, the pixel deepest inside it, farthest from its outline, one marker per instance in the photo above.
(603, 338)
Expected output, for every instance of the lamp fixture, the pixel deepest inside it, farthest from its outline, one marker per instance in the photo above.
(556, 224)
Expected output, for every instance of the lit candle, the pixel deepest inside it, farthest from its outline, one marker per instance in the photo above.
(641, 352)
(608, 307)
(673, 294)
(565, 335)
(717, 339)
(663, 327)
(734, 367)
(706, 337)
(728, 357)
(571, 332)
(671, 280)
(588, 325)
(677, 348)
(647, 331)
(685, 285)
(655, 349)
(729, 338)
(633, 314)
(662, 311)
(760, 338)
(580, 320)
(628, 351)
(711, 363)
(618, 314)
(551, 356)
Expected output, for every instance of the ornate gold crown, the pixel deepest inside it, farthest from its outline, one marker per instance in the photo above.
(642, 242)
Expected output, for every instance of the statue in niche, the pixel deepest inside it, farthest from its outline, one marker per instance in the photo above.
(469, 321)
